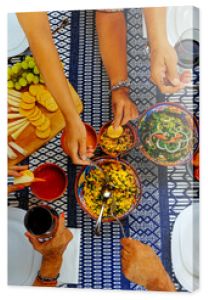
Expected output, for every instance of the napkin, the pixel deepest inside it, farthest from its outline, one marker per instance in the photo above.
(69, 272)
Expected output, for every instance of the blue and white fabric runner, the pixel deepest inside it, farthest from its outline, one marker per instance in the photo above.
(166, 191)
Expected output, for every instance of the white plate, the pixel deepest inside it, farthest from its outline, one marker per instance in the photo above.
(180, 19)
(185, 248)
(22, 259)
(24, 262)
(17, 41)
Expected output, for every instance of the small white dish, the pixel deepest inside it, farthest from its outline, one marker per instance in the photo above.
(17, 41)
(185, 247)
(24, 262)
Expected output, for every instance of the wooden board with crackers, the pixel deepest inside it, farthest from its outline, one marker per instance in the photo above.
(33, 119)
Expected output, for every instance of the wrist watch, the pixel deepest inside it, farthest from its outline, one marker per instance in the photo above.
(120, 84)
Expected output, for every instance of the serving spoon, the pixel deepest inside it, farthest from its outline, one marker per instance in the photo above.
(106, 193)
(112, 209)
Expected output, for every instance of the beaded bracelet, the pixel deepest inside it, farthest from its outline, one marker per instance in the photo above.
(120, 84)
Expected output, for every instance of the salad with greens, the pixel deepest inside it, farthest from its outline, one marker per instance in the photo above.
(167, 136)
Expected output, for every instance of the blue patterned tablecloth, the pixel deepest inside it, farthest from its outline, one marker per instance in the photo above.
(166, 191)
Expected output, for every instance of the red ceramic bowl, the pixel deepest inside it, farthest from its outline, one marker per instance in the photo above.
(55, 184)
(79, 184)
(91, 138)
(104, 128)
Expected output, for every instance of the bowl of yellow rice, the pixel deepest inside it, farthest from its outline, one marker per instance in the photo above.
(120, 145)
(123, 182)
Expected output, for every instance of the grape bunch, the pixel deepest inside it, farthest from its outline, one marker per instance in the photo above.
(23, 74)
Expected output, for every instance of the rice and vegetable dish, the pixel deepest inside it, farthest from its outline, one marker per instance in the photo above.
(166, 137)
(114, 146)
(121, 183)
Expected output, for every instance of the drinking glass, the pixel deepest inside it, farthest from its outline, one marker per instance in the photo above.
(41, 221)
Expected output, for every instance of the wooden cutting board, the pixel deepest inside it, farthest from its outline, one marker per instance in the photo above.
(28, 139)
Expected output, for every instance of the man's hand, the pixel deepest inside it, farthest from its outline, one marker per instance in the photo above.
(75, 141)
(55, 246)
(51, 251)
(164, 72)
(142, 266)
(124, 109)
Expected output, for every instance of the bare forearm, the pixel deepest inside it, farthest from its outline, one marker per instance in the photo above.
(155, 19)
(37, 29)
(163, 284)
(111, 30)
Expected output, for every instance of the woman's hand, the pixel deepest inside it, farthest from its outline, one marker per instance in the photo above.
(75, 141)
(124, 109)
(164, 72)
(15, 171)
(142, 266)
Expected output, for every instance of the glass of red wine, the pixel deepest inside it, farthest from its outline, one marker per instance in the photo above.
(187, 49)
(41, 221)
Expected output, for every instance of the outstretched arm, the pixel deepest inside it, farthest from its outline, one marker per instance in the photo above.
(141, 265)
(37, 29)
(111, 30)
(163, 56)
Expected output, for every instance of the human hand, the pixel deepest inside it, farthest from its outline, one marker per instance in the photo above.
(56, 246)
(75, 141)
(142, 266)
(124, 109)
(15, 171)
(164, 72)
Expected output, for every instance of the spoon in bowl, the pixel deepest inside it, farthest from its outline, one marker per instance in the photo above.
(106, 193)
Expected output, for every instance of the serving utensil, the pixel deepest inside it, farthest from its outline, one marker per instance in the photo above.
(112, 209)
(106, 193)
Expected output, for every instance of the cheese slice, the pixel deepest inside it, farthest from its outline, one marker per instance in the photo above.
(17, 133)
(16, 127)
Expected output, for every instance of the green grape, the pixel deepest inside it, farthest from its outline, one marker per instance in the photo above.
(9, 73)
(31, 64)
(17, 86)
(15, 69)
(19, 65)
(27, 58)
(41, 79)
(24, 75)
(25, 65)
(22, 82)
(30, 77)
(36, 71)
(36, 80)
(10, 84)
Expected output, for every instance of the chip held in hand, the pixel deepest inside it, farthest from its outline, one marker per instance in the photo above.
(114, 133)
(27, 176)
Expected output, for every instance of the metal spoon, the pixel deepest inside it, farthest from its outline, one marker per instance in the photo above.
(106, 194)
(112, 208)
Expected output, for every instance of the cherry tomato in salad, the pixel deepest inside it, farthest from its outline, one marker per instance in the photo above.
(196, 173)
(195, 160)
